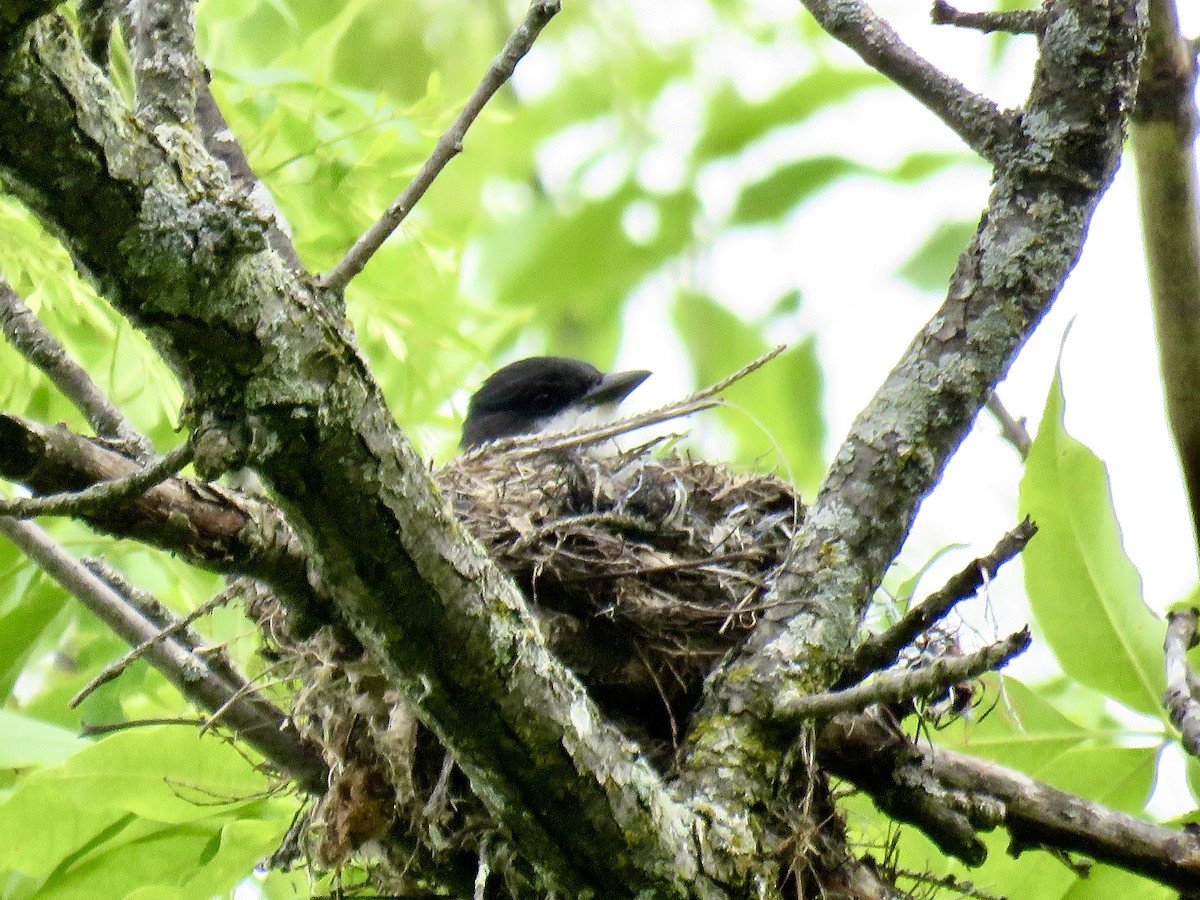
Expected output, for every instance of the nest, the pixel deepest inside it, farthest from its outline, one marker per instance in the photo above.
(643, 572)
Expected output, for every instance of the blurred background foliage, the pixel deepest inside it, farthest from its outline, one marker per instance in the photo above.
(589, 215)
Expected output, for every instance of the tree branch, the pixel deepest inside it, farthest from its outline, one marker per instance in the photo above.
(1162, 136)
(273, 378)
(114, 670)
(253, 717)
(448, 146)
(222, 143)
(163, 47)
(1028, 240)
(973, 117)
(37, 344)
(1012, 429)
(1012, 21)
(209, 526)
(929, 680)
(103, 493)
(870, 752)
(96, 21)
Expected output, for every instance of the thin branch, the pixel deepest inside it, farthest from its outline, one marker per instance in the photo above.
(104, 493)
(37, 344)
(162, 618)
(205, 524)
(533, 444)
(1181, 701)
(973, 117)
(100, 729)
(883, 650)
(448, 146)
(1011, 428)
(897, 685)
(869, 751)
(114, 670)
(256, 719)
(1012, 21)
(1037, 815)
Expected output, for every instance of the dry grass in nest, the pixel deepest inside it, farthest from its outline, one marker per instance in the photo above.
(644, 570)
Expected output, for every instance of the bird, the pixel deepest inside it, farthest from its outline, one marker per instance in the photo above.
(544, 394)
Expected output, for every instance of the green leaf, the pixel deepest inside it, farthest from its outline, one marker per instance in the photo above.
(1022, 730)
(168, 773)
(733, 123)
(1105, 883)
(932, 264)
(1083, 590)
(24, 627)
(575, 270)
(161, 856)
(28, 742)
(782, 190)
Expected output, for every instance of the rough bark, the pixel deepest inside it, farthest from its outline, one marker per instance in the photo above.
(273, 379)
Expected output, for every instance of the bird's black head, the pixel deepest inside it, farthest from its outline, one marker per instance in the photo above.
(541, 393)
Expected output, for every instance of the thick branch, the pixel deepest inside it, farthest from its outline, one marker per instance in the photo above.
(253, 717)
(870, 752)
(206, 525)
(1028, 240)
(97, 18)
(448, 146)
(1162, 137)
(222, 143)
(973, 117)
(274, 378)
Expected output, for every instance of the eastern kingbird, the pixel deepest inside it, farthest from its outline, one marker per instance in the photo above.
(544, 393)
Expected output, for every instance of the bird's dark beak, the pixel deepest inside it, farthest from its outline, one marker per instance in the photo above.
(614, 387)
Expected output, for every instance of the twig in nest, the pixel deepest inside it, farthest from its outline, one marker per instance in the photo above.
(532, 444)
(98, 495)
(1012, 21)
(115, 669)
(1181, 701)
(882, 651)
(895, 686)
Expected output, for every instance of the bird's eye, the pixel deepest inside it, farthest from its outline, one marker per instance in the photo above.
(542, 402)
